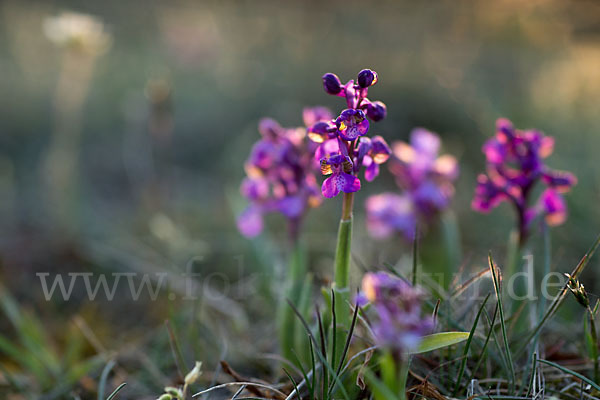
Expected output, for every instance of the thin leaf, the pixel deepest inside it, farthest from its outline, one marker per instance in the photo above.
(497, 287)
(556, 303)
(117, 390)
(347, 345)
(440, 340)
(467, 346)
(415, 255)
(321, 356)
(176, 349)
(103, 378)
(379, 389)
(293, 383)
(570, 372)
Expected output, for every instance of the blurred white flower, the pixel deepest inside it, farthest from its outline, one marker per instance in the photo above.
(77, 31)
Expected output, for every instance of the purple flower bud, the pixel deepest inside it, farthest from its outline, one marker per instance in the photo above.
(332, 84)
(376, 110)
(366, 78)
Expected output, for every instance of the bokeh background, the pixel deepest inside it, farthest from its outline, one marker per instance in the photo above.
(126, 155)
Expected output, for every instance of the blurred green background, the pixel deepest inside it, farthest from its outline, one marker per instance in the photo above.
(129, 157)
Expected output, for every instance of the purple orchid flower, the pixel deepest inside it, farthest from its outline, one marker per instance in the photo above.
(345, 136)
(515, 163)
(397, 322)
(338, 167)
(427, 181)
(281, 174)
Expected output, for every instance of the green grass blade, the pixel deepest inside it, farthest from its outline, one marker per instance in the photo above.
(415, 255)
(323, 356)
(556, 303)
(293, 383)
(467, 347)
(176, 349)
(302, 370)
(568, 371)
(533, 372)
(496, 277)
(103, 378)
(347, 345)
(117, 390)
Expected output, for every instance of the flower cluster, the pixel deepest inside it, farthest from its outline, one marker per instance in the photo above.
(343, 147)
(427, 183)
(515, 163)
(281, 174)
(397, 324)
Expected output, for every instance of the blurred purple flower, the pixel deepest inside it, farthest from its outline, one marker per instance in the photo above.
(281, 174)
(427, 183)
(515, 163)
(388, 213)
(346, 135)
(397, 322)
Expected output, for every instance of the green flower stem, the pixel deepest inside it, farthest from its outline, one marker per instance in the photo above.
(342, 275)
(293, 291)
(402, 379)
(344, 243)
(394, 373)
(594, 335)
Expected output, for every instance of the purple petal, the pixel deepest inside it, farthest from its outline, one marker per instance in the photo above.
(321, 131)
(250, 222)
(327, 149)
(495, 151)
(291, 206)
(504, 130)
(269, 128)
(312, 115)
(432, 198)
(380, 151)
(263, 154)
(371, 170)
(487, 195)
(446, 167)
(330, 188)
(388, 213)
(424, 142)
(348, 183)
(554, 207)
(255, 188)
(559, 180)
